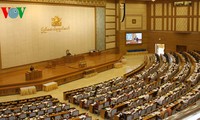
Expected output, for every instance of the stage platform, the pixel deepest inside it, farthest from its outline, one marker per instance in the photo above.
(11, 82)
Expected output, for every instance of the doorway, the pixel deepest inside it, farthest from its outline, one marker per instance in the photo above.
(160, 48)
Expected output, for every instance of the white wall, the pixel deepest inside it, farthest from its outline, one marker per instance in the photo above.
(22, 41)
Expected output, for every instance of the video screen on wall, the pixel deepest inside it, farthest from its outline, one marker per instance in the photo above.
(133, 38)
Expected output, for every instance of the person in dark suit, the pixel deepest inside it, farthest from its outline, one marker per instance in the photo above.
(68, 53)
(32, 68)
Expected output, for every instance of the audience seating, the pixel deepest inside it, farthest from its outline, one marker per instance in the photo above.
(157, 91)
(42, 107)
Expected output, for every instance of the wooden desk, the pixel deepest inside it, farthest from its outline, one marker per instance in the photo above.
(28, 90)
(50, 86)
(89, 73)
(73, 58)
(93, 53)
(31, 75)
(102, 113)
(91, 108)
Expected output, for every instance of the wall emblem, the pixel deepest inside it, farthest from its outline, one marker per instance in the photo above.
(56, 21)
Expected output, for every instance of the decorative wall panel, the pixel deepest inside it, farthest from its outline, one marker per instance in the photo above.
(165, 24)
(158, 11)
(110, 12)
(110, 45)
(152, 9)
(110, 25)
(182, 11)
(110, 18)
(195, 24)
(181, 24)
(195, 8)
(110, 5)
(178, 18)
(110, 39)
(110, 32)
(152, 24)
(100, 28)
(133, 22)
(158, 24)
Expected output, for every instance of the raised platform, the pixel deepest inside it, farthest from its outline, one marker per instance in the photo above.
(11, 82)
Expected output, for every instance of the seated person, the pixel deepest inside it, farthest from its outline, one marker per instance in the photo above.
(68, 53)
(32, 68)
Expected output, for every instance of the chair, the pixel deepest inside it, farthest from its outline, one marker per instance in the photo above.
(58, 117)
(33, 107)
(7, 112)
(129, 117)
(32, 114)
(58, 109)
(50, 110)
(41, 106)
(88, 118)
(41, 112)
(75, 113)
(22, 115)
(113, 112)
(12, 118)
(47, 118)
(149, 109)
(135, 115)
(66, 115)
(66, 107)
(25, 108)
(17, 110)
(143, 112)
(106, 104)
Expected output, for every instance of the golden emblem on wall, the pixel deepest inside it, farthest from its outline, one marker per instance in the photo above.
(56, 21)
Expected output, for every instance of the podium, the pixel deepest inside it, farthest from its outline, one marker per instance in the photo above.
(31, 75)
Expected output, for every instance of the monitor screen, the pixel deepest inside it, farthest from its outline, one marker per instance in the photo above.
(133, 38)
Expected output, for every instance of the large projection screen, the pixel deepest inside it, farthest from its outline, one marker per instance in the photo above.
(22, 40)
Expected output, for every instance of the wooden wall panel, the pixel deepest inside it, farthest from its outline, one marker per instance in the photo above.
(158, 8)
(182, 11)
(158, 25)
(110, 32)
(110, 18)
(110, 39)
(111, 23)
(181, 24)
(179, 18)
(110, 12)
(171, 39)
(110, 45)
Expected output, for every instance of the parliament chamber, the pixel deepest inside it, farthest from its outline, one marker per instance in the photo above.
(100, 60)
